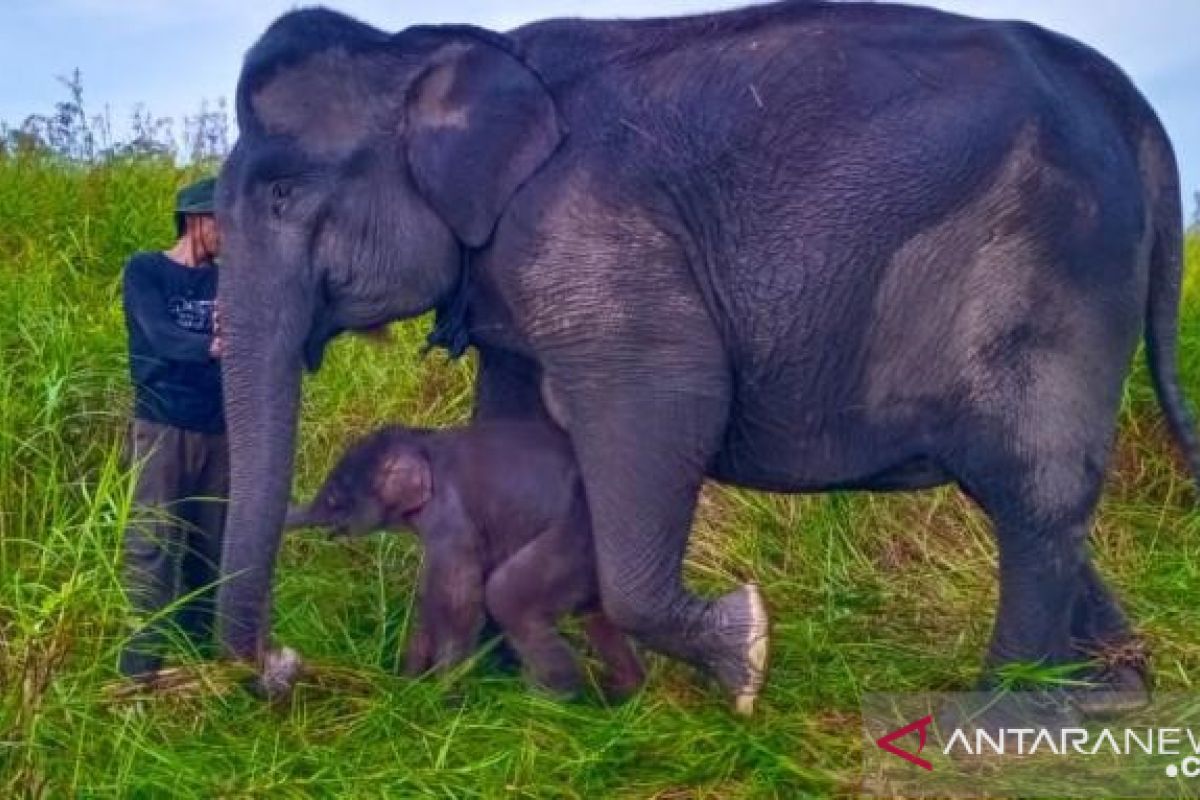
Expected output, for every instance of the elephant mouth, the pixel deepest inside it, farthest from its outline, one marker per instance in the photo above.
(323, 329)
(314, 345)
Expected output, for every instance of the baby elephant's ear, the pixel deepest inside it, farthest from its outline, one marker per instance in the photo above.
(404, 480)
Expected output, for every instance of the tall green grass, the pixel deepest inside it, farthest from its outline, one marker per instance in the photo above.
(869, 593)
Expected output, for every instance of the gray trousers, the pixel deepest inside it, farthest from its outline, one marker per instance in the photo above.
(172, 547)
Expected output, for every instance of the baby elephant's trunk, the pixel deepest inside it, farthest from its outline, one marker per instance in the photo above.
(299, 516)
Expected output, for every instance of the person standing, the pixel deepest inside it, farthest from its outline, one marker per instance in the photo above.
(172, 545)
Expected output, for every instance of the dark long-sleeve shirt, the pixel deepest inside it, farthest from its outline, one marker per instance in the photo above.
(169, 316)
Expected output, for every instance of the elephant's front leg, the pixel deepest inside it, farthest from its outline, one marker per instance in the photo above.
(451, 605)
(418, 657)
(643, 452)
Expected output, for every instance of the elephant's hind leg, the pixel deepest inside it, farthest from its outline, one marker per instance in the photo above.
(1097, 622)
(643, 453)
(1040, 487)
(1041, 515)
(1044, 361)
(529, 593)
(1101, 634)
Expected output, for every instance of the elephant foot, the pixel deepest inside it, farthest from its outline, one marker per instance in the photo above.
(562, 688)
(278, 673)
(998, 712)
(560, 680)
(742, 628)
(620, 685)
(1117, 684)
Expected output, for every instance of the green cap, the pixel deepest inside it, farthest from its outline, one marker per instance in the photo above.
(196, 198)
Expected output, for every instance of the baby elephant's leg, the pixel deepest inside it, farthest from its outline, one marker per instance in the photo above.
(501, 657)
(527, 595)
(612, 646)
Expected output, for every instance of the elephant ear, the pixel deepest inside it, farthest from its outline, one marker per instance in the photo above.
(479, 123)
(404, 480)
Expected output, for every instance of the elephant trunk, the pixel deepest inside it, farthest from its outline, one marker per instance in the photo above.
(299, 516)
(262, 394)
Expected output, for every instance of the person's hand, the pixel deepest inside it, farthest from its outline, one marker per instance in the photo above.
(217, 348)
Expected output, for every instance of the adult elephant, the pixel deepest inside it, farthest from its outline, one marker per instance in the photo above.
(795, 247)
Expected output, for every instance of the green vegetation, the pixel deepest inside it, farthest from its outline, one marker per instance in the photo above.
(869, 593)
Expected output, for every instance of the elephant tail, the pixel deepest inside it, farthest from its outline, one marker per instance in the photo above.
(1162, 312)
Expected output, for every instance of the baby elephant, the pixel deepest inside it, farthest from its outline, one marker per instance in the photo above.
(500, 509)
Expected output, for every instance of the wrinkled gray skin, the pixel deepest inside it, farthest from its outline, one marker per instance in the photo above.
(500, 510)
(797, 247)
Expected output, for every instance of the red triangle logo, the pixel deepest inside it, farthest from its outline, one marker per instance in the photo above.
(885, 742)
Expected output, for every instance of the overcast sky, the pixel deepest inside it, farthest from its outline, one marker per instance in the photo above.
(171, 54)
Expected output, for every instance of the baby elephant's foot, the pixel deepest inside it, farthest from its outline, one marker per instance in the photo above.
(560, 681)
(624, 673)
(620, 686)
(550, 664)
(740, 643)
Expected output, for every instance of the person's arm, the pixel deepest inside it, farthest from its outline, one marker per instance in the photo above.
(146, 309)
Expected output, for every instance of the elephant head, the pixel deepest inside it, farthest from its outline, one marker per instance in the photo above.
(365, 163)
(377, 483)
